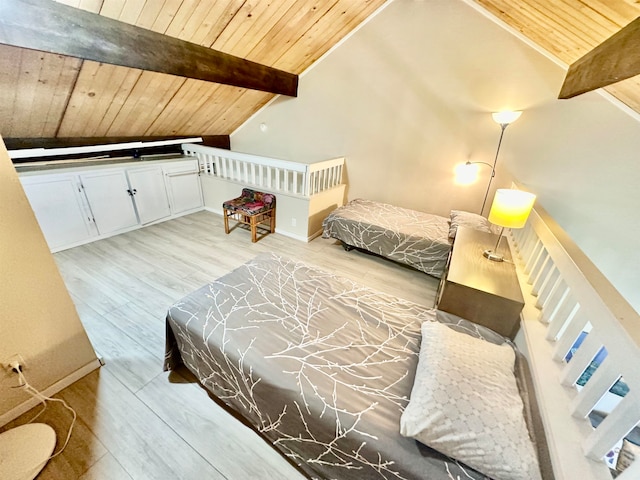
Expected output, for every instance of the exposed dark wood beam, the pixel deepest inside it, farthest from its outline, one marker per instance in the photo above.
(614, 60)
(52, 27)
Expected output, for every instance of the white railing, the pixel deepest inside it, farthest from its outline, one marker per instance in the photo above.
(269, 173)
(324, 175)
(567, 295)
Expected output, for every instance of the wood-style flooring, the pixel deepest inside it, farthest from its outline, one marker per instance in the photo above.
(136, 421)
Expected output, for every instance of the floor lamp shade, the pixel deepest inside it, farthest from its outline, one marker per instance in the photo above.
(511, 208)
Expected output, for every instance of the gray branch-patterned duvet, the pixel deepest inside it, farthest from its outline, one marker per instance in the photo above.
(319, 365)
(418, 239)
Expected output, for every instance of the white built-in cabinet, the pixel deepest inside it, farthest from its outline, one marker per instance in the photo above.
(149, 191)
(183, 186)
(109, 200)
(90, 203)
(61, 209)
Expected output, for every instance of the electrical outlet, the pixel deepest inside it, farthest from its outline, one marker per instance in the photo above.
(13, 362)
(294, 222)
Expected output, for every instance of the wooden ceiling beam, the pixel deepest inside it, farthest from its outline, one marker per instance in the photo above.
(52, 27)
(614, 60)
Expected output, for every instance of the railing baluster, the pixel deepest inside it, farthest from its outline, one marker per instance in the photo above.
(599, 383)
(576, 324)
(541, 274)
(279, 175)
(615, 426)
(547, 284)
(561, 314)
(533, 259)
(581, 359)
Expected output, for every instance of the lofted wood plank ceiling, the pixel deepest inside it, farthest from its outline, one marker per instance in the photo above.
(45, 95)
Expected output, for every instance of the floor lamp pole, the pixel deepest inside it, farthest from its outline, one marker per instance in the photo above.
(503, 126)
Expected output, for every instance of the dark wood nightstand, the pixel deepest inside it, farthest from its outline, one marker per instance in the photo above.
(478, 289)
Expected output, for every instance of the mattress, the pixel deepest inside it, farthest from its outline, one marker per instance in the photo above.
(318, 365)
(418, 239)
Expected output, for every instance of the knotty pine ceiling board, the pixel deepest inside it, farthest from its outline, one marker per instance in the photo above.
(34, 89)
(237, 107)
(290, 35)
(292, 32)
(569, 29)
(100, 93)
(45, 95)
(627, 92)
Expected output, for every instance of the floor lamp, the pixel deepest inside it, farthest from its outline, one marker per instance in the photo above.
(504, 119)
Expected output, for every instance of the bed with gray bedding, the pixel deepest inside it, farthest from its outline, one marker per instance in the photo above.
(418, 239)
(320, 366)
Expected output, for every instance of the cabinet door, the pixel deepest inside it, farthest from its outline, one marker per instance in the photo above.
(108, 194)
(183, 185)
(59, 206)
(150, 193)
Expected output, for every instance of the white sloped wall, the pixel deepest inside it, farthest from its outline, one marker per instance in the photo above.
(409, 96)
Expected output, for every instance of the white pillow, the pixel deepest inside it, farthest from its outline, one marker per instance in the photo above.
(465, 404)
(468, 219)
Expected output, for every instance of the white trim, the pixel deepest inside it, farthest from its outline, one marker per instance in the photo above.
(214, 210)
(554, 398)
(292, 235)
(284, 233)
(314, 235)
(137, 226)
(245, 157)
(50, 391)
(619, 103)
(516, 33)
(549, 263)
(48, 152)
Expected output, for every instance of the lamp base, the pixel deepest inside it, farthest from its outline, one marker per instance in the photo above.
(493, 256)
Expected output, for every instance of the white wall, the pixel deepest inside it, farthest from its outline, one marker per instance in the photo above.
(38, 319)
(409, 96)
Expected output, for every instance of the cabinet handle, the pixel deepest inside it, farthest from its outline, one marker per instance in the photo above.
(180, 174)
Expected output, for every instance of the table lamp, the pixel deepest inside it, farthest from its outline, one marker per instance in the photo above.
(510, 209)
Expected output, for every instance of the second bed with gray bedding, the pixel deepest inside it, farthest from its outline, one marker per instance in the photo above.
(320, 366)
(418, 239)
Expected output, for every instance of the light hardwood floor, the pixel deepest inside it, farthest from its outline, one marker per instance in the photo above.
(136, 421)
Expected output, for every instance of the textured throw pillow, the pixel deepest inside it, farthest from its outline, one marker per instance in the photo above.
(628, 453)
(465, 403)
(468, 219)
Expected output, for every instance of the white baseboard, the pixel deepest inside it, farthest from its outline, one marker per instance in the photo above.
(315, 235)
(50, 391)
(217, 211)
(292, 235)
(278, 230)
(125, 230)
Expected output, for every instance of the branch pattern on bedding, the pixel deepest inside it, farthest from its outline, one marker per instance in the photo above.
(319, 365)
(418, 239)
